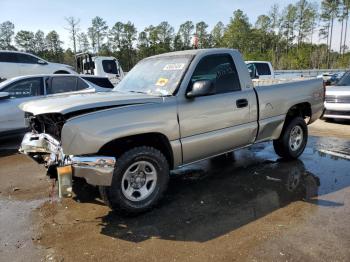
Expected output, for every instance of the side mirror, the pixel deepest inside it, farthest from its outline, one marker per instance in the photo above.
(201, 88)
(4, 95)
(42, 62)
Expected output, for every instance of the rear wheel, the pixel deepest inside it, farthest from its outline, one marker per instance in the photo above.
(140, 178)
(293, 139)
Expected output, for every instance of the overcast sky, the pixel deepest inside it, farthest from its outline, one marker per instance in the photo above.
(49, 15)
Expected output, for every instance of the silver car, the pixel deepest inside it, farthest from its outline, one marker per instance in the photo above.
(337, 104)
(21, 89)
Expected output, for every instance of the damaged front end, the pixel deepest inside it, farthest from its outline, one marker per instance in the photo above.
(43, 145)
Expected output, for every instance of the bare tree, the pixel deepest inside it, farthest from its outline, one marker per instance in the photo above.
(73, 28)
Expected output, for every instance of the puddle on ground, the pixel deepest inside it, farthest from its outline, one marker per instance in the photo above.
(210, 198)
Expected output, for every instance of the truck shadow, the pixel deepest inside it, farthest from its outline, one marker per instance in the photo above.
(203, 203)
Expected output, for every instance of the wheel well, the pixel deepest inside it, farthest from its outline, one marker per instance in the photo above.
(299, 110)
(157, 140)
(61, 72)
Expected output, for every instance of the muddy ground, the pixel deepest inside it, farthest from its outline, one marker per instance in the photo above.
(250, 207)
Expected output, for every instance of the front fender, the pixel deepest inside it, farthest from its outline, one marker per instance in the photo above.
(86, 134)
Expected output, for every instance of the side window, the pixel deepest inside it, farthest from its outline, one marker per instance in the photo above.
(263, 69)
(26, 59)
(26, 88)
(81, 84)
(221, 70)
(61, 84)
(8, 57)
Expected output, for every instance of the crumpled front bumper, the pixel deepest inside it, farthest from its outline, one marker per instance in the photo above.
(44, 149)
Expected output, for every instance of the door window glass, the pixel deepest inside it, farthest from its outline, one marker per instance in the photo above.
(26, 59)
(81, 84)
(221, 70)
(61, 84)
(25, 88)
(8, 57)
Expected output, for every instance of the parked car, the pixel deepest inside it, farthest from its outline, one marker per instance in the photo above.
(170, 110)
(337, 104)
(107, 66)
(14, 63)
(27, 88)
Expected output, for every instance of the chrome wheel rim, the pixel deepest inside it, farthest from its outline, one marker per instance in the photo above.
(139, 181)
(296, 138)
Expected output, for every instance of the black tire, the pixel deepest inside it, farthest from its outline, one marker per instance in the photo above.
(283, 147)
(114, 195)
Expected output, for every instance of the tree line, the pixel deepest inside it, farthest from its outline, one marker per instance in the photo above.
(289, 37)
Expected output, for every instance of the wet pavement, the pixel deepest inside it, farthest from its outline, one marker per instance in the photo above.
(249, 206)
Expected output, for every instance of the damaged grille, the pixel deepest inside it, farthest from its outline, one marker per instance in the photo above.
(51, 124)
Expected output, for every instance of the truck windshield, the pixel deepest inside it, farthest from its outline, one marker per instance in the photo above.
(155, 76)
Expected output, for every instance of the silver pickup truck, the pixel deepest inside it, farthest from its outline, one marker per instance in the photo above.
(169, 111)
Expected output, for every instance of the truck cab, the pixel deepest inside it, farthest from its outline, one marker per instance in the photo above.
(106, 66)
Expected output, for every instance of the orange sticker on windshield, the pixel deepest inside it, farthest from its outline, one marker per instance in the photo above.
(162, 81)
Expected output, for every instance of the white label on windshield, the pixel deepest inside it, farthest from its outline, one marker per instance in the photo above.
(170, 67)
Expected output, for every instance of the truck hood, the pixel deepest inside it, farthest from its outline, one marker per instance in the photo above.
(83, 102)
(338, 91)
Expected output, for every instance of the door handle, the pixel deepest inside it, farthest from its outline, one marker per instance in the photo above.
(242, 103)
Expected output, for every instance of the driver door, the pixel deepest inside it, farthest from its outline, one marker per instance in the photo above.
(221, 122)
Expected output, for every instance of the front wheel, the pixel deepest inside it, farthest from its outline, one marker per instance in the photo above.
(140, 178)
(293, 139)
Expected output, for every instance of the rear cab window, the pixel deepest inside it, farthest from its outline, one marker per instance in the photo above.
(110, 67)
(263, 69)
(221, 70)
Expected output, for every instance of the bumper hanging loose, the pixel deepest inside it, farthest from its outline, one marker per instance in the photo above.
(44, 149)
